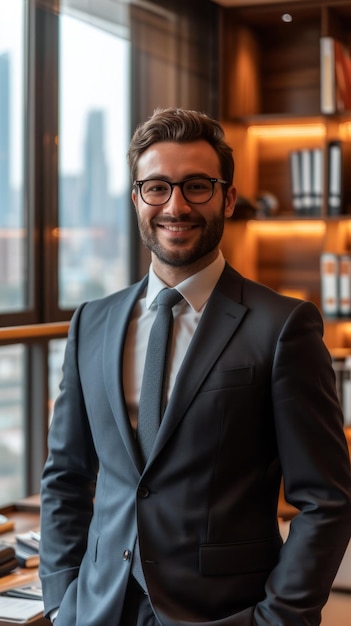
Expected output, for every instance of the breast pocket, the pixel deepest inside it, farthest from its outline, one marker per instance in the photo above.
(228, 378)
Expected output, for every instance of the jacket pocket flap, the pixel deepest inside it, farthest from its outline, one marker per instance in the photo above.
(239, 558)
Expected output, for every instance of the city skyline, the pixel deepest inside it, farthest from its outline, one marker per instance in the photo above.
(93, 193)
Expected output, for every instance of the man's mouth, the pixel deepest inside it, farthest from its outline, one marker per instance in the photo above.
(177, 228)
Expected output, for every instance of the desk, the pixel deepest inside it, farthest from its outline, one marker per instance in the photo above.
(26, 517)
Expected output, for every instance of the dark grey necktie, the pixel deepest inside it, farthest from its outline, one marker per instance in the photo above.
(153, 388)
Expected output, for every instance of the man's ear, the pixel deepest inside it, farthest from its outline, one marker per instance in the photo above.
(134, 198)
(230, 201)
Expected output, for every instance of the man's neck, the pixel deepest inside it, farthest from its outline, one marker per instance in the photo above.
(172, 276)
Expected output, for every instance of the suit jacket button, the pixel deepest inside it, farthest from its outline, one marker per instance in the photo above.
(143, 492)
(126, 555)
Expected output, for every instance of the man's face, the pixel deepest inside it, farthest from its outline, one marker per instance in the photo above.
(180, 233)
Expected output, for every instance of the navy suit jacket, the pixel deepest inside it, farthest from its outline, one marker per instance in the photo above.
(254, 399)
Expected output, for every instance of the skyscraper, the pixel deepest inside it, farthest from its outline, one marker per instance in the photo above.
(95, 191)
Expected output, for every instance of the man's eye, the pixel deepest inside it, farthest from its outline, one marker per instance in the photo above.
(198, 185)
(158, 187)
(195, 186)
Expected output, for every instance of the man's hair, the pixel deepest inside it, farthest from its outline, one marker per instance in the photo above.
(182, 126)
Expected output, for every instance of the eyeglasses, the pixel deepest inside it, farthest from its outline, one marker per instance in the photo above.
(195, 190)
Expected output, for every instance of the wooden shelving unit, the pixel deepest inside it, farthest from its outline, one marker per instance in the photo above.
(271, 105)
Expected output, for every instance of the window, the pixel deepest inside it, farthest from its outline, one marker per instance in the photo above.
(75, 78)
(73, 140)
(94, 184)
(11, 422)
(13, 226)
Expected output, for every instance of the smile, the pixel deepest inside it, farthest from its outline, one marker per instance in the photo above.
(177, 229)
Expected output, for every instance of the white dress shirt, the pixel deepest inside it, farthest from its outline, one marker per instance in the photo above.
(196, 291)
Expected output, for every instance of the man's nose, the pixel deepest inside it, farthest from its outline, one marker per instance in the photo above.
(177, 204)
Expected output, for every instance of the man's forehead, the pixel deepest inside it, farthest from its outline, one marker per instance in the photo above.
(198, 156)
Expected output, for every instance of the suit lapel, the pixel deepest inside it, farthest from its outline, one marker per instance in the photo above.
(221, 318)
(114, 339)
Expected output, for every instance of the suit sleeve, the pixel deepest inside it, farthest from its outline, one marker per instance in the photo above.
(316, 473)
(68, 481)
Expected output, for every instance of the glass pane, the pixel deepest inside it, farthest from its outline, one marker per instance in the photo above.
(12, 223)
(94, 187)
(12, 484)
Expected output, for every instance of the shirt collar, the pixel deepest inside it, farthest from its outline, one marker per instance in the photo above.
(196, 289)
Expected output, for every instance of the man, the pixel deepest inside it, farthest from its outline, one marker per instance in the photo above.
(251, 397)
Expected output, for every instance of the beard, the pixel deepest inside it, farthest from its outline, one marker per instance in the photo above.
(176, 256)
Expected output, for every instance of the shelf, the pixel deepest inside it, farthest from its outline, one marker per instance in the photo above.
(273, 64)
(280, 119)
(264, 222)
(283, 254)
(262, 154)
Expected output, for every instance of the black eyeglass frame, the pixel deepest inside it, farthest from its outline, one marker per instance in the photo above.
(213, 181)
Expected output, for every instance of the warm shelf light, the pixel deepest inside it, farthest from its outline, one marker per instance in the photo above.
(285, 228)
(286, 130)
(345, 131)
(346, 330)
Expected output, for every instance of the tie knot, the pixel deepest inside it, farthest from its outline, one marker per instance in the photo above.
(168, 297)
